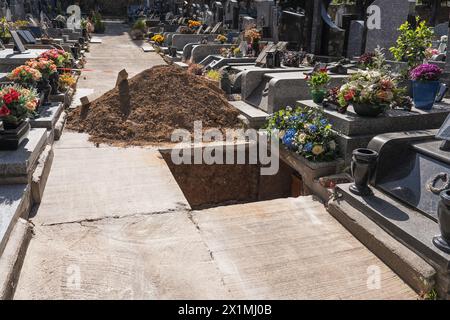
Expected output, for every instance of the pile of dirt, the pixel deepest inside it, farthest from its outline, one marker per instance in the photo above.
(163, 98)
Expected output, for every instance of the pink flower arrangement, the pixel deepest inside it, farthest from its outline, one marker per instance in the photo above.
(45, 66)
(426, 72)
(60, 58)
(25, 75)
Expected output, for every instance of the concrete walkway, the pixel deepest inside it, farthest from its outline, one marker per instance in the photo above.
(114, 224)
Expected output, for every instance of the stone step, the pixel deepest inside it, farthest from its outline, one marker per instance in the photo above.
(256, 117)
(16, 167)
(415, 271)
(12, 258)
(59, 127)
(15, 202)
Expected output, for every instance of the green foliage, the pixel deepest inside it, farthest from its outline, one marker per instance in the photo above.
(140, 25)
(213, 75)
(4, 28)
(432, 295)
(412, 43)
(99, 25)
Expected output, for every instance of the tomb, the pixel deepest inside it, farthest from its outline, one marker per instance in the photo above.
(406, 185)
(49, 116)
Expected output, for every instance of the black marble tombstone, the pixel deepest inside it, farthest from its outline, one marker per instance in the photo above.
(18, 45)
(291, 29)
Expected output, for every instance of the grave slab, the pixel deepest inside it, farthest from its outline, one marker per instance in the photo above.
(48, 116)
(15, 202)
(8, 57)
(17, 166)
(256, 117)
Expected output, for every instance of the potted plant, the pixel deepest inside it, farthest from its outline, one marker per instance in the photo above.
(5, 34)
(426, 85)
(61, 58)
(158, 39)
(47, 68)
(317, 83)
(14, 112)
(139, 29)
(25, 76)
(221, 38)
(370, 92)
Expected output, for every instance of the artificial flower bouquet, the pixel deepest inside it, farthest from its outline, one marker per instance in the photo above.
(253, 35)
(17, 104)
(25, 75)
(194, 24)
(44, 66)
(221, 38)
(157, 38)
(60, 58)
(306, 132)
(66, 81)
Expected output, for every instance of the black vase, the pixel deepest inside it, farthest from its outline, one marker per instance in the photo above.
(45, 88)
(13, 134)
(54, 83)
(363, 166)
(443, 241)
(255, 47)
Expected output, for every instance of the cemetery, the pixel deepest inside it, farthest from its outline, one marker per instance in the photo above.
(215, 149)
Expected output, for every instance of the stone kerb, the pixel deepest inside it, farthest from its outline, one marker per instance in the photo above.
(180, 40)
(200, 52)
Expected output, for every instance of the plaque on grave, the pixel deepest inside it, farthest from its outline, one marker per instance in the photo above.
(19, 48)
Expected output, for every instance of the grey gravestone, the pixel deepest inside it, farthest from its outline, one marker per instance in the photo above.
(18, 45)
(393, 14)
(216, 28)
(441, 30)
(355, 38)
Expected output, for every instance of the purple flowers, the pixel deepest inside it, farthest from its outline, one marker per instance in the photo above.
(426, 72)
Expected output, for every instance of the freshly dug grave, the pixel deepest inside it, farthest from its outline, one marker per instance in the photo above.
(163, 98)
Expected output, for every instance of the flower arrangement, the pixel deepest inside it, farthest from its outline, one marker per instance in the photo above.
(221, 38)
(306, 132)
(213, 75)
(237, 52)
(159, 39)
(25, 75)
(430, 52)
(5, 34)
(426, 72)
(253, 35)
(60, 58)
(16, 105)
(44, 66)
(194, 24)
(21, 24)
(369, 88)
(66, 81)
(186, 30)
(318, 79)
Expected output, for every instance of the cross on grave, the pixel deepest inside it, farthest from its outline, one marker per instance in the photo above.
(19, 48)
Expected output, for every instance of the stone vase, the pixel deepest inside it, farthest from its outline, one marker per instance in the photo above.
(45, 88)
(54, 83)
(443, 241)
(318, 95)
(362, 168)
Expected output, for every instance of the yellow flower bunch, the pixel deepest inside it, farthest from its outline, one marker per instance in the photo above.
(158, 38)
(221, 38)
(66, 81)
(253, 34)
(194, 24)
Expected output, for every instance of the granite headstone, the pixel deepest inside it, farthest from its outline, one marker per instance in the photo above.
(355, 39)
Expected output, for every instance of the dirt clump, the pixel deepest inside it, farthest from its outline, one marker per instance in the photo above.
(163, 98)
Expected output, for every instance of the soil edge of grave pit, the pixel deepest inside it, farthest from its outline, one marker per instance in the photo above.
(163, 99)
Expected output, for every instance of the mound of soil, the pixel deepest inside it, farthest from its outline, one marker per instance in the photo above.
(163, 98)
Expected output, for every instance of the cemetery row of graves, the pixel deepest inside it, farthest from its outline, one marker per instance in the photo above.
(40, 64)
(361, 115)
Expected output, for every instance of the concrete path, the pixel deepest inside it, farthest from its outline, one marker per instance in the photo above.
(113, 224)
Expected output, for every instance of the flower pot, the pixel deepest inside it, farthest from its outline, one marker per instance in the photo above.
(362, 167)
(13, 134)
(443, 241)
(424, 93)
(368, 110)
(318, 95)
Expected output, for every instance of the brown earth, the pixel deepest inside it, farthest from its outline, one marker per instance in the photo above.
(163, 98)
